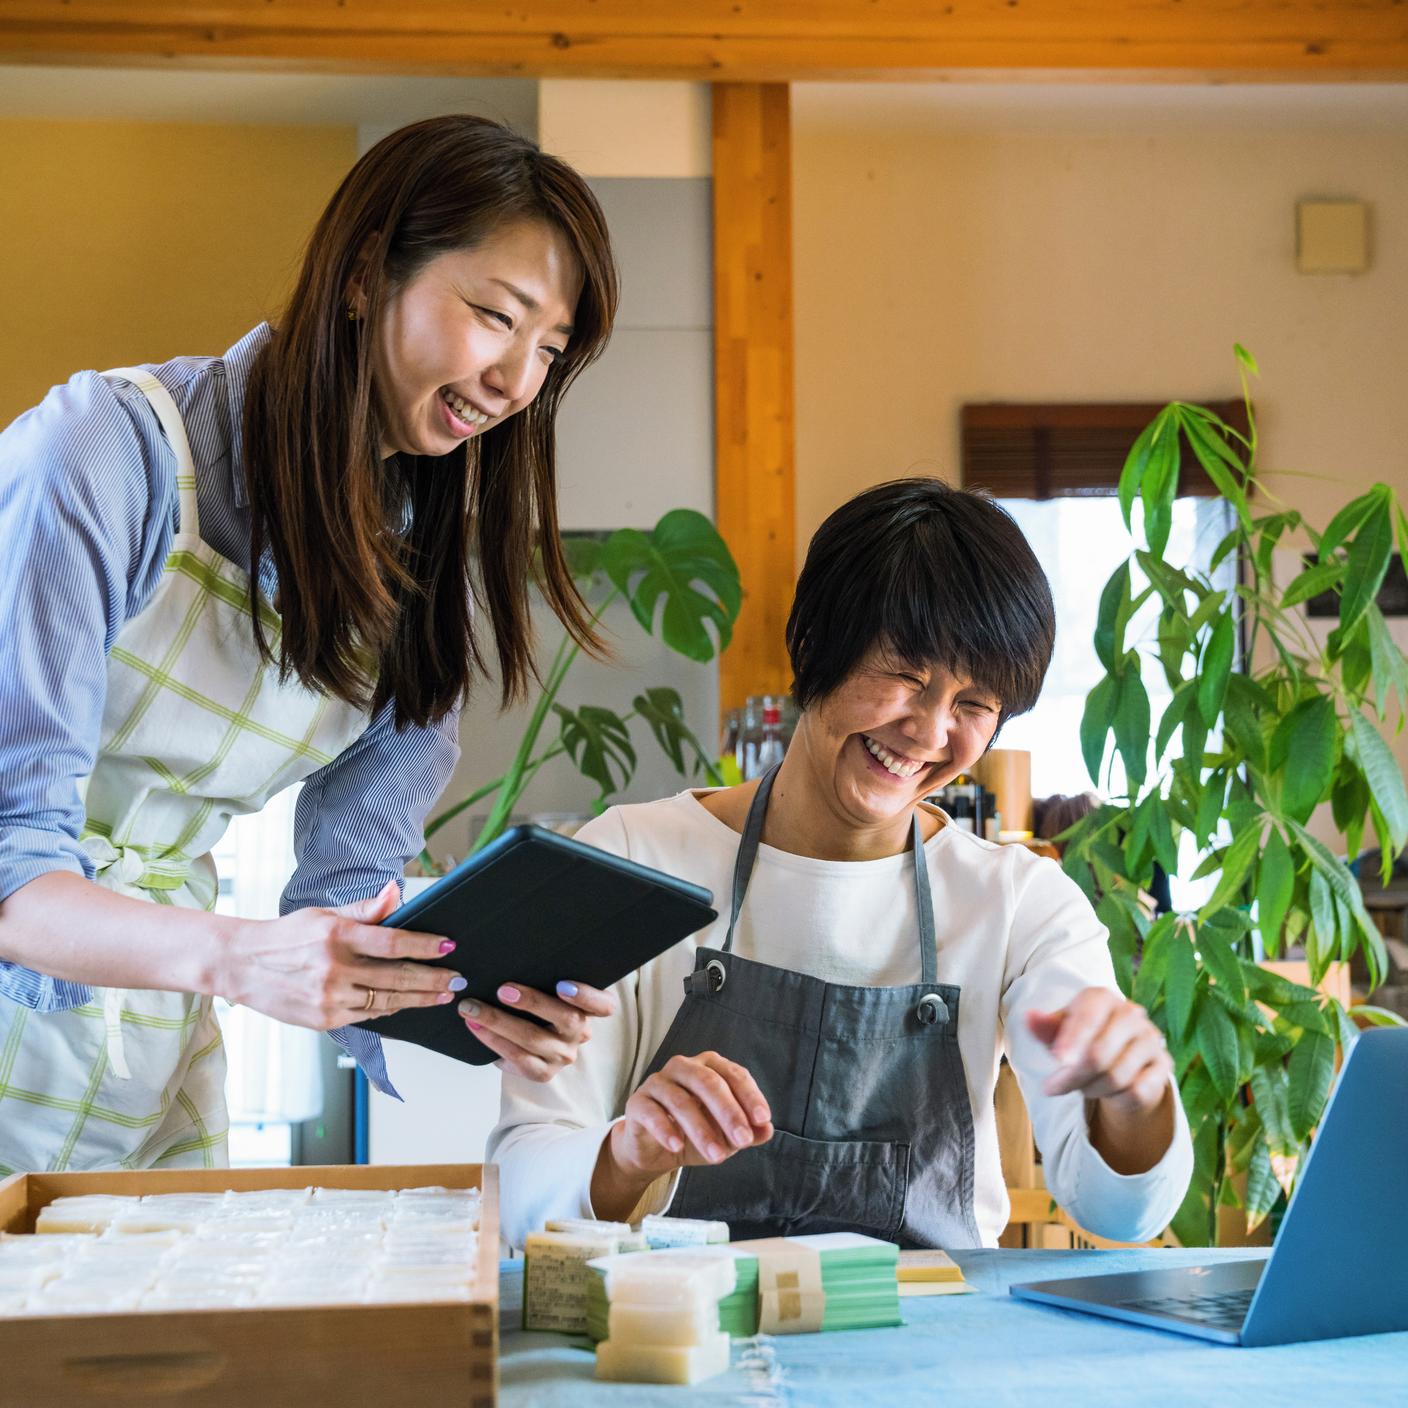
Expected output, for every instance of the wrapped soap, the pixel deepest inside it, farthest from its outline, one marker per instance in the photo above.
(555, 1279)
(682, 1231)
(627, 1239)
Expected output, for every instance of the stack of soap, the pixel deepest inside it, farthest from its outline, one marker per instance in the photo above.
(682, 1232)
(662, 1316)
(738, 1308)
(193, 1251)
(824, 1281)
(555, 1276)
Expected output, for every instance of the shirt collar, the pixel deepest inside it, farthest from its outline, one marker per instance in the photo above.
(238, 362)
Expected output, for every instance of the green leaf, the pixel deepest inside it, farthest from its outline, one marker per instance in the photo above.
(1323, 576)
(583, 554)
(1135, 465)
(1108, 645)
(1159, 486)
(1217, 665)
(1312, 1066)
(1240, 712)
(1383, 775)
(1095, 724)
(1346, 889)
(1180, 984)
(1132, 725)
(1173, 716)
(1304, 742)
(1209, 806)
(1153, 961)
(1322, 917)
(1217, 1044)
(1236, 861)
(1388, 666)
(1274, 887)
(1222, 964)
(1173, 583)
(1269, 1090)
(1369, 556)
(1378, 1016)
(1161, 832)
(1348, 519)
(1219, 463)
(600, 744)
(682, 574)
(663, 710)
(1263, 1191)
(1245, 358)
(1123, 937)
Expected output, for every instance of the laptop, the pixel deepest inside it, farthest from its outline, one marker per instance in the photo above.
(1340, 1262)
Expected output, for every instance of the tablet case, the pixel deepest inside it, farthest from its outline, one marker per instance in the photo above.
(534, 908)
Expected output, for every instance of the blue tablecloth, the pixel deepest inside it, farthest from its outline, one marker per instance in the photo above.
(986, 1349)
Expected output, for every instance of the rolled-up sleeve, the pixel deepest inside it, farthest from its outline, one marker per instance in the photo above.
(358, 821)
(85, 504)
(1059, 948)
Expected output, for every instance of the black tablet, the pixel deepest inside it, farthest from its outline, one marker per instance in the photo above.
(535, 908)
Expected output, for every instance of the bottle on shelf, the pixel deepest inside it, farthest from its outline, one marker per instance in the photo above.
(770, 746)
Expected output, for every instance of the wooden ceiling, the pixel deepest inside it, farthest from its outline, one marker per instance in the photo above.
(731, 40)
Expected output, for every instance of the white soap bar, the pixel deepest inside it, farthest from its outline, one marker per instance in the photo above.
(83, 1214)
(555, 1279)
(680, 1276)
(663, 1324)
(682, 1231)
(626, 1239)
(662, 1364)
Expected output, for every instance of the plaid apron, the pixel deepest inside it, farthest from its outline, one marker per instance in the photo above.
(196, 729)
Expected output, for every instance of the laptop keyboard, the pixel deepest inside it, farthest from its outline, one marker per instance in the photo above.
(1225, 1309)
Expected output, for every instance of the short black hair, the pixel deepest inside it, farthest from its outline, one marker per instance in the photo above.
(938, 576)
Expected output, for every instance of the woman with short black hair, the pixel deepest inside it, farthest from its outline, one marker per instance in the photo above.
(824, 1056)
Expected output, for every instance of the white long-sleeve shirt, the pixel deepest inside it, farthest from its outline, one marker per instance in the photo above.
(1012, 930)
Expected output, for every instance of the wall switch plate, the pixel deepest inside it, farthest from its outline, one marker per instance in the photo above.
(1332, 236)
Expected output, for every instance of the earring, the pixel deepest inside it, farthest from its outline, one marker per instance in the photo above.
(351, 314)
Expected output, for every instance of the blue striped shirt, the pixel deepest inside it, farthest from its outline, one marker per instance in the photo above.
(88, 507)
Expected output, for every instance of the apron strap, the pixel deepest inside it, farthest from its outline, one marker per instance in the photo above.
(928, 942)
(748, 849)
(160, 400)
(748, 855)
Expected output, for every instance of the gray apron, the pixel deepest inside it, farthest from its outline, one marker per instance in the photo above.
(872, 1128)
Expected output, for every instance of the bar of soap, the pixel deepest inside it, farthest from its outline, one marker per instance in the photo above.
(682, 1231)
(927, 1266)
(555, 1279)
(661, 1363)
(626, 1238)
(676, 1276)
(682, 1325)
(90, 1213)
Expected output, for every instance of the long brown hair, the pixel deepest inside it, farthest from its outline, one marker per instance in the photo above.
(371, 613)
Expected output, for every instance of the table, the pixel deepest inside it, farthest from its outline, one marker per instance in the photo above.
(986, 1349)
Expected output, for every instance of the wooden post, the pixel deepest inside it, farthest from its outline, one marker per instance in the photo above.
(753, 412)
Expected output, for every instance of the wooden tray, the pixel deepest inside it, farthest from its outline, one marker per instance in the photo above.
(335, 1356)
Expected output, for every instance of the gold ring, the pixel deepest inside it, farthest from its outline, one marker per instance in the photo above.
(371, 1000)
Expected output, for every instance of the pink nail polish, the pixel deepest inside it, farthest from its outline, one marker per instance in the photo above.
(448, 946)
(445, 997)
(475, 1026)
(509, 994)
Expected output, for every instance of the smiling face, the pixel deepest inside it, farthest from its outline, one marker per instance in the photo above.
(888, 736)
(470, 338)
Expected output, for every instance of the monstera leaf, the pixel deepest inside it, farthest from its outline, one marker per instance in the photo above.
(682, 574)
(599, 743)
(663, 710)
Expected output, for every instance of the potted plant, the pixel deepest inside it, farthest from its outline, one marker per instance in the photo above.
(1265, 724)
(682, 585)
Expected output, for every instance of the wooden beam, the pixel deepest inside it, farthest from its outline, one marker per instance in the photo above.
(729, 40)
(753, 409)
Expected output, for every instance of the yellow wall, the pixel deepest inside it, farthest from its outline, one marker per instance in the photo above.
(953, 248)
(139, 242)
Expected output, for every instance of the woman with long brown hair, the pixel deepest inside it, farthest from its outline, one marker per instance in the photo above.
(290, 563)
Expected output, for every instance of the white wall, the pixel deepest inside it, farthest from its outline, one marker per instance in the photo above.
(1039, 243)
